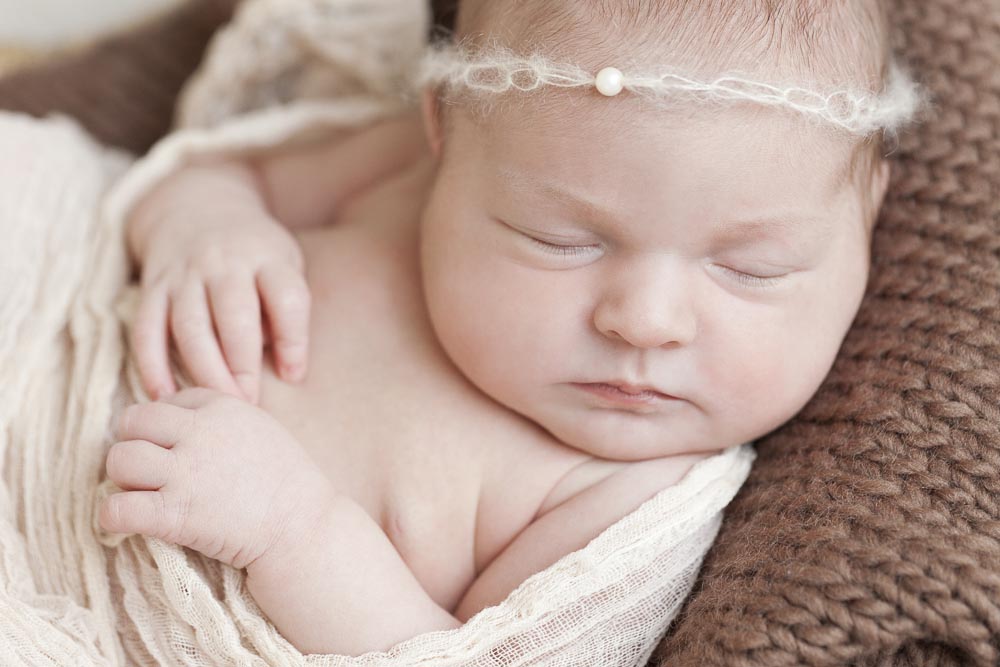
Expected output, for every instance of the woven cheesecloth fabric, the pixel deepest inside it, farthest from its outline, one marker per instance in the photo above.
(73, 595)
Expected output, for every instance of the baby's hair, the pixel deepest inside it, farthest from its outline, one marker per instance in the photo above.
(821, 45)
(827, 41)
(797, 45)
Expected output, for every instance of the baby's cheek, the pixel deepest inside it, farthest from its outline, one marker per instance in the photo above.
(799, 371)
(765, 379)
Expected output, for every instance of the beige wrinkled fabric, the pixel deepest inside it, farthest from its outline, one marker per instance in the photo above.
(72, 595)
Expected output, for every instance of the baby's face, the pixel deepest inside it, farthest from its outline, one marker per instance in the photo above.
(718, 261)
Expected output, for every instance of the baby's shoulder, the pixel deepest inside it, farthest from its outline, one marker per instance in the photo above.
(311, 183)
(584, 502)
(606, 491)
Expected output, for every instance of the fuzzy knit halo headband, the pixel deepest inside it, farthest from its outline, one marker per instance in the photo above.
(496, 70)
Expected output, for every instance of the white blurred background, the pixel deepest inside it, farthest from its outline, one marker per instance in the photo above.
(45, 24)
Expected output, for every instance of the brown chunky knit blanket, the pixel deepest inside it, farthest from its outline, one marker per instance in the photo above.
(869, 530)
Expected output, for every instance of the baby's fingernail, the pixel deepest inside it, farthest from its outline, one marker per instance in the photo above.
(294, 372)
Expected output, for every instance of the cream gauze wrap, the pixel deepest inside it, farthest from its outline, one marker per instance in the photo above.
(74, 595)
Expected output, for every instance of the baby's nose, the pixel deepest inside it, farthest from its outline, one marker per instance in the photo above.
(647, 311)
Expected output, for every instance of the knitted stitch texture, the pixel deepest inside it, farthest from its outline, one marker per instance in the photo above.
(869, 531)
(122, 89)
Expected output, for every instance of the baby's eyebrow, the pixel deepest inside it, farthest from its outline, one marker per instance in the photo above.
(593, 208)
(783, 226)
(732, 233)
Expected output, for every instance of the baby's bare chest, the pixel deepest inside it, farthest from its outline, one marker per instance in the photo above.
(394, 425)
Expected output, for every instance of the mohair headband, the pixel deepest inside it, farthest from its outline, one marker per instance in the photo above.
(498, 70)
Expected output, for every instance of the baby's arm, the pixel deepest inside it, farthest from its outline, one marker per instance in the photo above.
(307, 186)
(215, 474)
(213, 246)
(336, 584)
(299, 186)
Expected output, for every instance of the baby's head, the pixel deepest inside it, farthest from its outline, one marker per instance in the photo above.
(713, 250)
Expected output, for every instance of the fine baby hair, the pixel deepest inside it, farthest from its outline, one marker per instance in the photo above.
(670, 52)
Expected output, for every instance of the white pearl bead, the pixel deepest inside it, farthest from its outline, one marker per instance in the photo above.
(610, 81)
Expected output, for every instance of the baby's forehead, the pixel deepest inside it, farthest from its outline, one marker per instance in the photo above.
(641, 190)
(678, 132)
(730, 163)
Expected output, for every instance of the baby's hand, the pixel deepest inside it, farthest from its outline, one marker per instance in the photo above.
(212, 271)
(210, 472)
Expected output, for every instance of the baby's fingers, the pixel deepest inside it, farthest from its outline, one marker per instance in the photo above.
(162, 423)
(236, 310)
(286, 300)
(138, 465)
(139, 512)
(191, 323)
(149, 341)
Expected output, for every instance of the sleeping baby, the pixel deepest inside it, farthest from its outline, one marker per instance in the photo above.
(497, 324)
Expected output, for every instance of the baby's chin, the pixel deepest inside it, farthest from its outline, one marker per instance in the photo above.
(621, 435)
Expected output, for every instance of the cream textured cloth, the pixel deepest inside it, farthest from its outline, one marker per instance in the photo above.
(72, 595)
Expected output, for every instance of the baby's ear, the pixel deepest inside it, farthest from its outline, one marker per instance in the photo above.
(431, 107)
(880, 182)
(877, 188)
